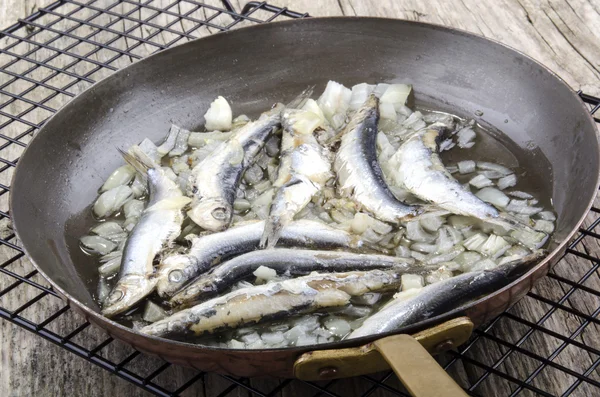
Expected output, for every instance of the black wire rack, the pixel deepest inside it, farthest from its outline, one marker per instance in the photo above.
(60, 50)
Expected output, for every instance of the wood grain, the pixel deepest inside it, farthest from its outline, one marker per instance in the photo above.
(562, 35)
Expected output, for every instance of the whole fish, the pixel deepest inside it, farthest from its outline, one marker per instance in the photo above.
(304, 168)
(421, 172)
(213, 182)
(159, 225)
(441, 297)
(358, 171)
(272, 300)
(207, 251)
(293, 262)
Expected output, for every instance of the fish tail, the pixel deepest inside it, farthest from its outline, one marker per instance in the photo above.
(139, 160)
(300, 100)
(272, 232)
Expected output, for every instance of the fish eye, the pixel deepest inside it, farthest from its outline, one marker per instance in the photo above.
(116, 296)
(219, 213)
(175, 276)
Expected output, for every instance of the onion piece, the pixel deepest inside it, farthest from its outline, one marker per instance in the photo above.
(121, 176)
(484, 264)
(466, 167)
(107, 229)
(181, 144)
(441, 274)
(467, 259)
(103, 290)
(411, 281)
(218, 116)
(170, 140)
(414, 121)
(522, 208)
(380, 89)
(415, 232)
(387, 111)
(547, 215)
(111, 201)
(494, 246)
(138, 186)
(481, 181)
(264, 273)
(150, 149)
(432, 223)
(397, 95)
(465, 136)
(199, 139)
(334, 103)
(360, 93)
(97, 245)
(484, 165)
(493, 196)
(133, 208)
(475, 242)
(446, 144)
(461, 222)
(520, 195)
(153, 312)
(530, 239)
(507, 181)
(544, 226)
(445, 257)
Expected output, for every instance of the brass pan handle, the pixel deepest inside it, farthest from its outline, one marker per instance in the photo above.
(409, 357)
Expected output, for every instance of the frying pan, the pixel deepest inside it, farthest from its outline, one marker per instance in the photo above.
(57, 178)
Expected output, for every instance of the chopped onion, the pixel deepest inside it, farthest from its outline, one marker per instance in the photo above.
(272, 339)
(520, 195)
(363, 222)
(507, 181)
(493, 196)
(181, 164)
(432, 223)
(265, 273)
(530, 239)
(239, 122)
(138, 186)
(466, 167)
(414, 121)
(337, 326)
(202, 152)
(410, 281)
(441, 274)
(494, 246)
(253, 175)
(111, 201)
(380, 89)
(241, 205)
(484, 264)
(153, 312)
(334, 103)
(484, 165)
(150, 149)
(169, 173)
(491, 174)
(480, 181)
(547, 215)
(447, 144)
(415, 232)
(465, 136)
(467, 259)
(169, 142)
(360, 93)
(120, 176)
(424, 247)
(452, 169)
(445, 257)
(386, 150)
(387, 111)
(544, 226)
(181, 144)
(107, 229)
(475, 242)
(445, 240)
(461, 222)
(218, 116)
(418, 255)
(97, 245)
(312, 106)
(402, 252)
(199, 139)
(521, 207)
(130, 223)
(397, 95)
(103, 289)
(236, 344)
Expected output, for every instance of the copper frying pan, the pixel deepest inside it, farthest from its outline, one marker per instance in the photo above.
(58, 176)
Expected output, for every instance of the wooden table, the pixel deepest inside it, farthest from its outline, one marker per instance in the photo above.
(563, 35)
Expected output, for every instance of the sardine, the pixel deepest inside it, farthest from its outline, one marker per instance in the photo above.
(272, 300)
(436, 299)
(422, 173)
(159, 225)
(293, 262)
(304, 168)
(207, 251)
(213, 182)
(358, 171)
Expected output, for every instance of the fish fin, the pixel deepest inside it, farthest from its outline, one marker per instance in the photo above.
(139, 160)
(510, 222)
(172, 203)
(301, 99)
(272, 232)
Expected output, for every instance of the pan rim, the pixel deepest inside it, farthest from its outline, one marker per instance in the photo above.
(88, 312)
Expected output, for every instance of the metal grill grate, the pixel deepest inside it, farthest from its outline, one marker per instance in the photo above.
(61, 49)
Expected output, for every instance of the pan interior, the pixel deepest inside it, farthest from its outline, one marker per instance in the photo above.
(541, 122)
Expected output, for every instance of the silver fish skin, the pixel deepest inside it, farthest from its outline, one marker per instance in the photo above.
(358, 171)
(213, 182)
(294, 262)
(207, 251)
(159, 225)
(436, 299)
(422, 173)
(272, 300)
(304, 169)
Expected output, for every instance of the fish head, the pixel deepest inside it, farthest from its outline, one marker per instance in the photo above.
(213, 214)
(128, 292)
(173, 274)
